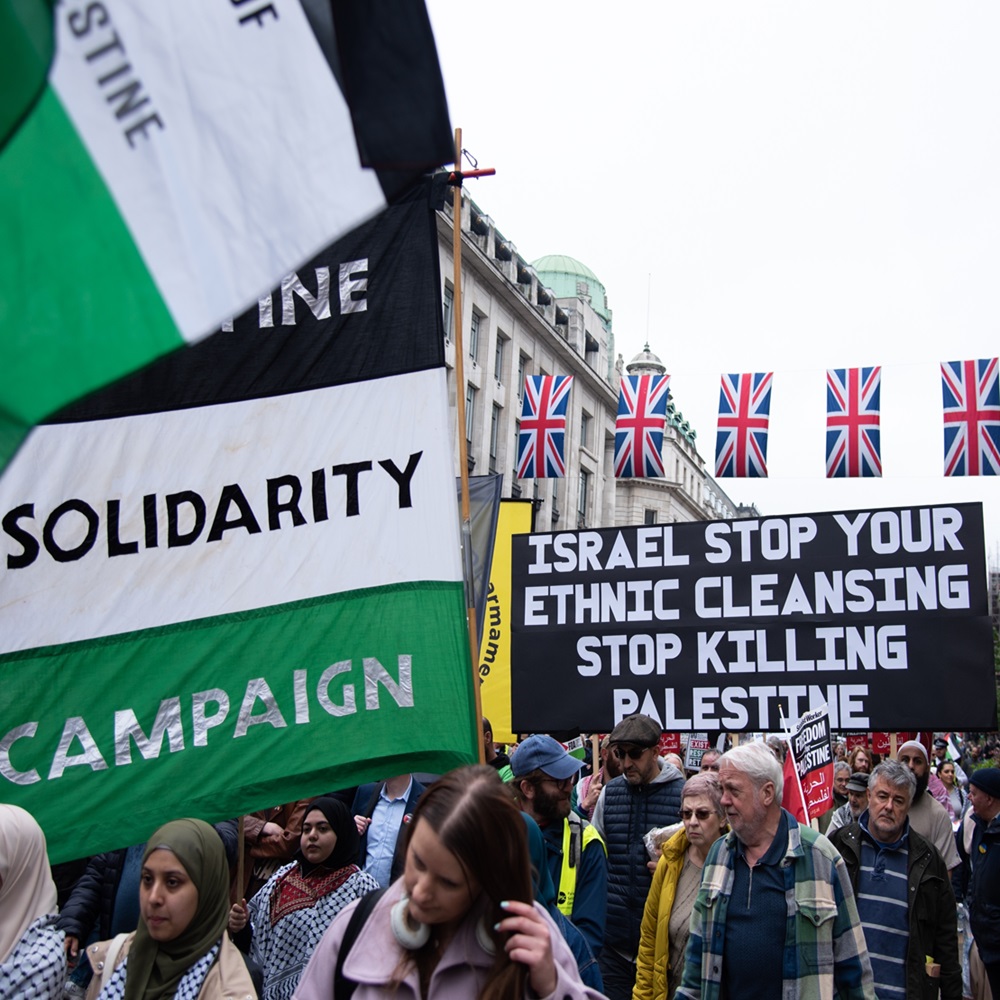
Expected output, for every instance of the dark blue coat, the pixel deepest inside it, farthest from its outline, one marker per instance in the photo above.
(365, 800)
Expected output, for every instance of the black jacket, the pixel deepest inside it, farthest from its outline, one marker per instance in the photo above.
(933, 920)
(983, 896)
(92, 901)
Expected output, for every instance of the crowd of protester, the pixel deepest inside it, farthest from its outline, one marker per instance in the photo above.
(538, 874)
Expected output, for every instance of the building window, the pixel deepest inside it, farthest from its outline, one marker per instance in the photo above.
(449, 310)
(583, 498)
(649, 516)
(495, 437)
(522, 364)
(585, 430)
(498, 358)
(470, 412)
(474, 328)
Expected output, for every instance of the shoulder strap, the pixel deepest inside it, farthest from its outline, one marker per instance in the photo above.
(344, 988)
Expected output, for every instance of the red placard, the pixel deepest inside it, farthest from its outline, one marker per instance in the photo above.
(856, 740)
(881, 743)
(670, 743)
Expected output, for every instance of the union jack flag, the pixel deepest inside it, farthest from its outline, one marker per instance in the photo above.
(971, 417)
(540, 453)
(853, 437)
(642, 414)
(741, 441)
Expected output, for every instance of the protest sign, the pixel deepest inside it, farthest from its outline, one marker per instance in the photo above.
(810, 748)
(726, 624)
(698, 743)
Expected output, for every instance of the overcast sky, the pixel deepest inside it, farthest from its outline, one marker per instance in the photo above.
(783, 187)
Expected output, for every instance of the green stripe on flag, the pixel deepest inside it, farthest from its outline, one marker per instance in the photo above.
(315, 731)
(78, 307)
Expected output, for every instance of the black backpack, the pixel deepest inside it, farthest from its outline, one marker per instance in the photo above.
(343, 988)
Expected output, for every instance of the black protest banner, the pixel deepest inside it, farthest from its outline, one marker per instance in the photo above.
(880, 614)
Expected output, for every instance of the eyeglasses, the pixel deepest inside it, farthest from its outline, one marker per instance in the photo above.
(702, 814)
(561, 783)
(634, 753)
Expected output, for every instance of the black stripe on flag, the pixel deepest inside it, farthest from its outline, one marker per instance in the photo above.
(383, 56)
(299, 351)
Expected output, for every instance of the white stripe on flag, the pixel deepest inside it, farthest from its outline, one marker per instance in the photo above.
(190, 115)
(204, 450)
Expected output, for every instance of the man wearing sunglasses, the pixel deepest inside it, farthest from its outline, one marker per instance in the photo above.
(645, 795)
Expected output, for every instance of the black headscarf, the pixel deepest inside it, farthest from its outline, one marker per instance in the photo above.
(345, 851)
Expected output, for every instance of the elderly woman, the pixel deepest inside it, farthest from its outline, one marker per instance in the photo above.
(664, 936)
(32, 958)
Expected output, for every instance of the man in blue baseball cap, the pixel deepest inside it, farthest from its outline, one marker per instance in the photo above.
(544, 774)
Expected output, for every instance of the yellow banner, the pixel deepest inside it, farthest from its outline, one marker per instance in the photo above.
(494, 647)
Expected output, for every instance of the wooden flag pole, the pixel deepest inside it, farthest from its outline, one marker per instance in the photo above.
(240, 854)
(463, 458)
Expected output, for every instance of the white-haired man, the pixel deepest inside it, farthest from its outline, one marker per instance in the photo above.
(742, 944)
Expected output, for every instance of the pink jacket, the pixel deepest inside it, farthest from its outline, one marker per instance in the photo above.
(460, 975)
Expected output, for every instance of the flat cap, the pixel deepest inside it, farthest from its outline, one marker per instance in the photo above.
(858, 782)
(638, 729)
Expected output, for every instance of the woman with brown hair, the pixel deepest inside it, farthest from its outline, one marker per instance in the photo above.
(460, 922)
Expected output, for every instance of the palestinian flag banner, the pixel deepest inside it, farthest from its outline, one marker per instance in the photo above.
(233, 579)
(162, 165)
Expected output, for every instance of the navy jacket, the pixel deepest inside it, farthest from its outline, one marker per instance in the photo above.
(365, 800)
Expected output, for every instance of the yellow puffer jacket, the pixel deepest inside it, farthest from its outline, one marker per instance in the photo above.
(654, 946)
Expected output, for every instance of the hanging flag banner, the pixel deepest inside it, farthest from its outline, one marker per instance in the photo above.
(494, 643)
(853, 434)
(162, 165)
(234, 579)
(813, 756)
(744, 415)
(642, 415)
(971, 399)
(724, 625)
(541, 447)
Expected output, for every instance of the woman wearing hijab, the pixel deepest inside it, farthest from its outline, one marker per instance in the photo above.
(180, 950)
(293, 909)
(32, 957)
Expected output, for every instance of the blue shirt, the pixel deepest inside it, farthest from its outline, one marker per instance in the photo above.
(755, 922)
(383, 832)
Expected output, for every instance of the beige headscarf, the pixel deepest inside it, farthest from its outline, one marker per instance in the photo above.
(27, 891)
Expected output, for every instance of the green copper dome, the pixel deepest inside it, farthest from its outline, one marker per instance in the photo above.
(564, 274)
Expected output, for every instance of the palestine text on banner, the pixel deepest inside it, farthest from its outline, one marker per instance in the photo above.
(174, 161)
(233, 579)
(729, 624)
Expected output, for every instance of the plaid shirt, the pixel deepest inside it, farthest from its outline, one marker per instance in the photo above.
(824, 953)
